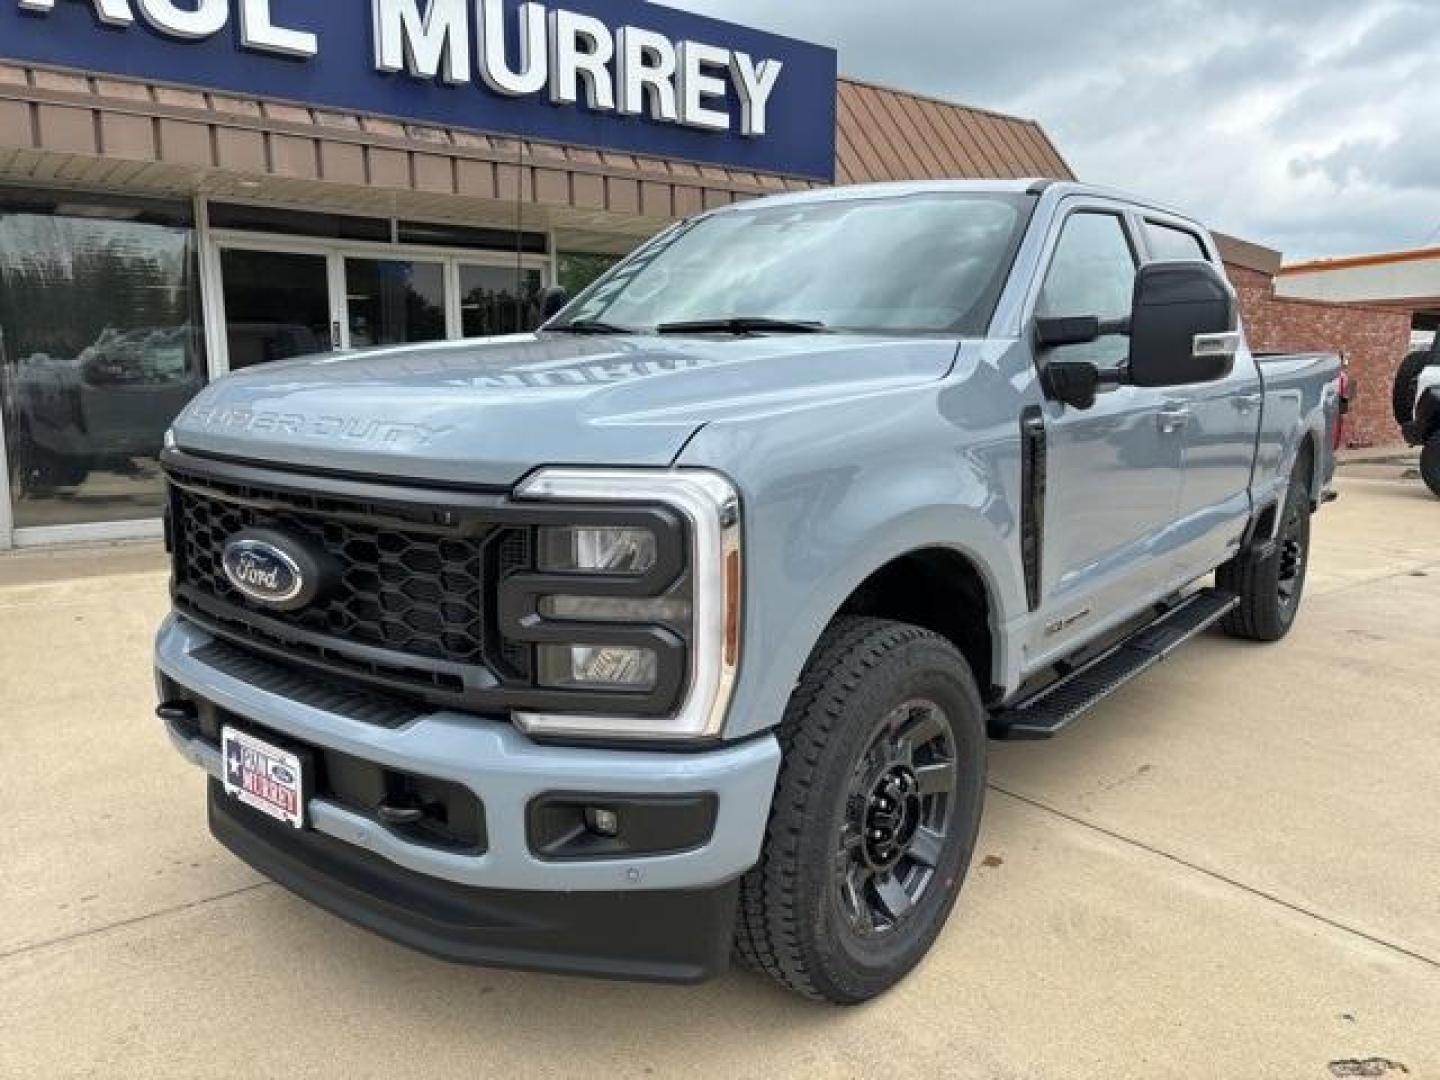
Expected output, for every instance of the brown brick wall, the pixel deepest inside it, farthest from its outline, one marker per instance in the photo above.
(1372, 340)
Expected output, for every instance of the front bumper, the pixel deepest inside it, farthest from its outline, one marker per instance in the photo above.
(504, 904)
(674, 935)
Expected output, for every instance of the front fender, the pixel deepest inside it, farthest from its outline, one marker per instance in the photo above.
(833, 494)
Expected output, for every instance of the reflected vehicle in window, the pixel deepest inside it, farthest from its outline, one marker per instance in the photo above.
(99, 312)
(100, 409)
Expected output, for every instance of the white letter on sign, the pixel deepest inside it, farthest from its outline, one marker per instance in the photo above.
(533, 73)
(110, 12)
(205, 19)
(754, 85)
(696, 86)
(581, 47)
(407, 41)
(646, 60)
(258, 31)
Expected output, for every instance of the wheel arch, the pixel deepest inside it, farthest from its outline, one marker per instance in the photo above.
(943, 590)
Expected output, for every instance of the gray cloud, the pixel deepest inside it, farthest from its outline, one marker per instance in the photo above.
(1309, 125)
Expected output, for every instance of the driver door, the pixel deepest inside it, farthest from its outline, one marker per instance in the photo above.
(1113, 471)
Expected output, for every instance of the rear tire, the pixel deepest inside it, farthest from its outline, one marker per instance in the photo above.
(875, 815)
(1270, 589)
(1430, 464)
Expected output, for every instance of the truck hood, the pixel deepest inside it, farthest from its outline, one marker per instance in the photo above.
(487, 412)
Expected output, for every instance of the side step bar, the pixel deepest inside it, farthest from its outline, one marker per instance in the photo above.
(1058, 705)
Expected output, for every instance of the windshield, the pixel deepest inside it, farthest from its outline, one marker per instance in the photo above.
(915, 264)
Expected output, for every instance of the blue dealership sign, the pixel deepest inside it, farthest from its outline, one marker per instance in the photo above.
(624, 75)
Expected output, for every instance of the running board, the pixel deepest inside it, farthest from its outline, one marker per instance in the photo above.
(1054, 708)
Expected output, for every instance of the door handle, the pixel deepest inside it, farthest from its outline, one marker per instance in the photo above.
(1248, 403)
(1173, 418)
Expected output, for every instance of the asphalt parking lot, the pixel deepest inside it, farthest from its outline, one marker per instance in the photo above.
(1231, 869)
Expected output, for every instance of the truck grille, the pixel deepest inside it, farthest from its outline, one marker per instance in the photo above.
(397, 590)
(411, 602)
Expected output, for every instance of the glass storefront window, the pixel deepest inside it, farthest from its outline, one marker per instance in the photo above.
(392, 302)
(497, 300)
(100, 347)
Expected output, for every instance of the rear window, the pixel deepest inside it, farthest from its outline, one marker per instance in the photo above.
(1169, 244)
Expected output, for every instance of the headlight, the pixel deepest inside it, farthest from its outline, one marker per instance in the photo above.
(620, 610)
(606, 551)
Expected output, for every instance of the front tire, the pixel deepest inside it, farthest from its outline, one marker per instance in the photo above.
(1430, 464)
(875, 815)
(1270, 589)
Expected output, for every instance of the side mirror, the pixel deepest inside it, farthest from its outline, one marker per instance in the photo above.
(1054, 332)
(1184, 326)
(1076, 382)
(553, 301)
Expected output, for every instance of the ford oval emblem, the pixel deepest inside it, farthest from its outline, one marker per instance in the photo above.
(264, 571)
(281, 773)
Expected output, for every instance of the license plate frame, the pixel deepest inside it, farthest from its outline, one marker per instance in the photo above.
(267, 778)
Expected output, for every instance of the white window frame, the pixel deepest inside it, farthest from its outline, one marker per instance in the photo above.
(336, 252)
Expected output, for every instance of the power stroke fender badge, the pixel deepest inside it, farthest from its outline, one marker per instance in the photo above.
(272, 569)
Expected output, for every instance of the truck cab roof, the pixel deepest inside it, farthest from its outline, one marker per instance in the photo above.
(1048, 189)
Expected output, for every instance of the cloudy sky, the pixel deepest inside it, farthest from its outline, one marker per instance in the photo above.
(1308, 125)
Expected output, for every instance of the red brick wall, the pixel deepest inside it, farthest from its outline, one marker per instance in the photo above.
(1372, 340)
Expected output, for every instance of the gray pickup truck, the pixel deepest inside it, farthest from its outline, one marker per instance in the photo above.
(677, 629)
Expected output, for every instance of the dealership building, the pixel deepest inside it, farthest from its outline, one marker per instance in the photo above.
(191, 188)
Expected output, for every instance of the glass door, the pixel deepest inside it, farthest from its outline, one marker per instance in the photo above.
(499, 299)
(282, 297)
(277, 305)
(394, 301)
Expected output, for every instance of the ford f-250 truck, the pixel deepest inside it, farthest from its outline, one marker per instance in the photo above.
(678, 627)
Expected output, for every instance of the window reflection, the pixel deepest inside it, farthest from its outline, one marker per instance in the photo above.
(393, 302)
(277, 305)
(497, 300)
(100, 348)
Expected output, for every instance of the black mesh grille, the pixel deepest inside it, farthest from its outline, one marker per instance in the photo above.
(413, 580)
(404, 591)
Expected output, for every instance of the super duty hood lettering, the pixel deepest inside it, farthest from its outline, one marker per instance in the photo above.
(347, 428)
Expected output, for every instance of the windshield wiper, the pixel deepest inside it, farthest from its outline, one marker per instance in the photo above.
(741, 324)
(588, 326)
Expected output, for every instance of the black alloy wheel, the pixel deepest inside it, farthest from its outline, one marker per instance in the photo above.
(897, 819)
(1294, 554)
(1271, 587)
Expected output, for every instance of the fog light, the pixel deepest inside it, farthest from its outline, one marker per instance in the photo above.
(598, 667)
(602, 822)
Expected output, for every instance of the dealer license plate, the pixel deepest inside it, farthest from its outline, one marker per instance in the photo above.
(265, 777)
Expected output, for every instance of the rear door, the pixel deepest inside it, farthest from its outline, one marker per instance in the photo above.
(1113, 470)
(1221, 422)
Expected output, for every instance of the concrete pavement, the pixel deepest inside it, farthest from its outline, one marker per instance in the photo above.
(1231, 869)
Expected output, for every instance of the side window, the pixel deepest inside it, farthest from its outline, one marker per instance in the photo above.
(1091, 273)
(1169, 244)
